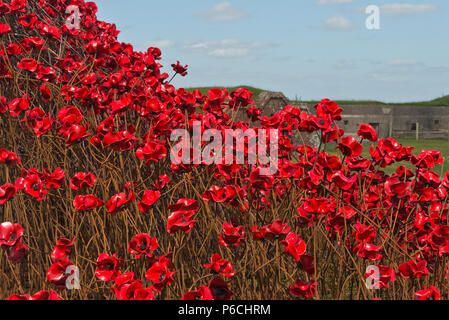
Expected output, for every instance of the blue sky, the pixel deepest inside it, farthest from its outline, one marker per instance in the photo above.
(311, 49)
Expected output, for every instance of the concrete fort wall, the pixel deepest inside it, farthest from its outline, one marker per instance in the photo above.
(398, 121)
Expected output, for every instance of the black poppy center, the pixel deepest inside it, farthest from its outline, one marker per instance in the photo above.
(143, 245)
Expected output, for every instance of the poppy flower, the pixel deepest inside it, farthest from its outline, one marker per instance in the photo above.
(221, 266)
(276, 230)
(149, 198)
(427, 159)
(58, 273)
(74, 134)
(161, 182)
(260, 181)
(7, 191)
(327, 108)
(52, 31)
(179, 69)
(303, 289)
(144, 294)
(363, 233)
(231, 235)
(368, 251)
(30, 43)
(127, 288)
(121, 280)
(160, 274)
(180, 221)
(38, 121)
(153, 150)
(184, 205)
(203, 293)
(45, 295)
(32, 185)
(385, 275)
(69, 115)
(411, 269)
(215, 193)
(46, 74)
(431, 293)
(134, 291)
(332, 134)
(108, 267)
(394, 187)
(62, 249)
(350, 147)
(41, 295)
(5, 8)
(17, 252)
(142, 244)
(27, 64)
(87, 202)
(294, 246)
(19, 297)
(18, 5)
(119, 201)
(55, 179)
(82, 180)
(306, 263)
(311, 210)
(220, 289)
(120, 141)
(4, 28)
(240, 97)
(366, 131)
(28, 20)
(253, 113)
(18, 105)
(45, 92)
(10, 234)
(439, 239)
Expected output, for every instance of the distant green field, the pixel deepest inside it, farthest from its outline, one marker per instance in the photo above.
(443, 101)
(440, 145)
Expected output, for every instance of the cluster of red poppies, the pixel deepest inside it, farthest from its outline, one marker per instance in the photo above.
(100, 93)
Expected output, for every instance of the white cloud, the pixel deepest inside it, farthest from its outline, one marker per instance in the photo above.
(227, 48)
(222, 12)
(161, 43)
(407, 8)
(338, 23)
(229, 52)
(402, 62)
(321, 2)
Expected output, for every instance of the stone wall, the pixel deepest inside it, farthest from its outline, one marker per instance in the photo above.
(398, 121)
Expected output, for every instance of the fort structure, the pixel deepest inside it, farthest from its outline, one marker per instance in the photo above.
(397, 121)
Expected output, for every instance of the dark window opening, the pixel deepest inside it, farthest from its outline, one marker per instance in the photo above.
(436, 123)
(413, 127)
(345, 122)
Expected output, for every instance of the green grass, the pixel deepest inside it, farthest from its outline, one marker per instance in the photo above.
(428, 144)
(443, 101)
